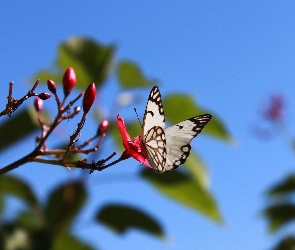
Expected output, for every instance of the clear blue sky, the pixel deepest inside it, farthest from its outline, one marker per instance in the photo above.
(231, 55)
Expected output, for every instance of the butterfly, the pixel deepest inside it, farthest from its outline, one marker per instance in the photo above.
(167, 149)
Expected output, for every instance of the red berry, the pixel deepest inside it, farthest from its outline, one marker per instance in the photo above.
(38, 103)
(69, 81)
(44, 96)
(51, 86)
(89, 97)
(103, 127)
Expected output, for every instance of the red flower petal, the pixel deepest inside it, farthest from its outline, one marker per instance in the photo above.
(133, 148)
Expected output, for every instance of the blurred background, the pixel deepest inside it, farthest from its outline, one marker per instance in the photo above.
(235, 60)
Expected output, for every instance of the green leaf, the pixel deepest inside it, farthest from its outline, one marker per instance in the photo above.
(183, 189)
(197, 169)
(279, 215)
(30, 219)
(130, 76)
(181, 107)
(63, 205)
(287, 243)
(90, 60)
(1, 206)
(10, 185)
(285, 187)
(22, 123)
(66, 241)
(120, 218)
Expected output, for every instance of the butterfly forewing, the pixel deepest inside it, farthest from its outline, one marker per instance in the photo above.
(178, 138)
(155, 146)
(154, 112)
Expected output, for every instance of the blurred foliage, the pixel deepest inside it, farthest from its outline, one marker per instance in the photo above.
(120, 218)
(175, 112)
(48, 225)
(42, 226)
(287, 243)
(17, 132)
(184, 189)
(130, 76)
(90, 60)
(280, 211)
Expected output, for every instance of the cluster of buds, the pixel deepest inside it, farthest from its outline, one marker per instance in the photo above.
(69, 80)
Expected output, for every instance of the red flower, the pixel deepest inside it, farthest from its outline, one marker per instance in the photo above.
(276, 109)
(133, 148)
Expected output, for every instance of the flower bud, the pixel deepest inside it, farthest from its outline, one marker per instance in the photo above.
(89, 97)
(103, 127)
(69, 81)
(38, 103)
(77, 109)
(44, 96)
(51, 86)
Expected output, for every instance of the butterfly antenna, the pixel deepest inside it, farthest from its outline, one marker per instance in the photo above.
(137, 117)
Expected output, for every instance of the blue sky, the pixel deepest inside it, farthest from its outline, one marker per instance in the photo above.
(230, 55)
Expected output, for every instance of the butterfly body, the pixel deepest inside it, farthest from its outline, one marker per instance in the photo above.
(166, 149)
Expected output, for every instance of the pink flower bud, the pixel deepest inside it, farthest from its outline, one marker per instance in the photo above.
(44, 96)
(89, 97)
(51, 86)
(69, 81)
(103, 127)
(38, 103)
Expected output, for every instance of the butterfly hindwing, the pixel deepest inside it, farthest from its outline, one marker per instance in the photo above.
(178, 138)
(155, 146)
(154, 112)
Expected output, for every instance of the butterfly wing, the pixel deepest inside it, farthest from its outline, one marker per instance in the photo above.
(155, 146)
(153, 133)
(178, 138)
(154, 112)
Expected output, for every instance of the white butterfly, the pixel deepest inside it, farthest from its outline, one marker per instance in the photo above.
(167, 148)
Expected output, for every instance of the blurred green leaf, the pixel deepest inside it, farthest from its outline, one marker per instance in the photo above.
(29, 220)
(287, 243)
(120, 218)
(181, 107)
(41, 238)
(285, 187)
(279, 215)
(22, 123)
(197, 169)
(13, 236)
(66, 241)
(10, 185)
(63, 205)
(131, 76)
(90, 60)
(183, 189)
(1, 205)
